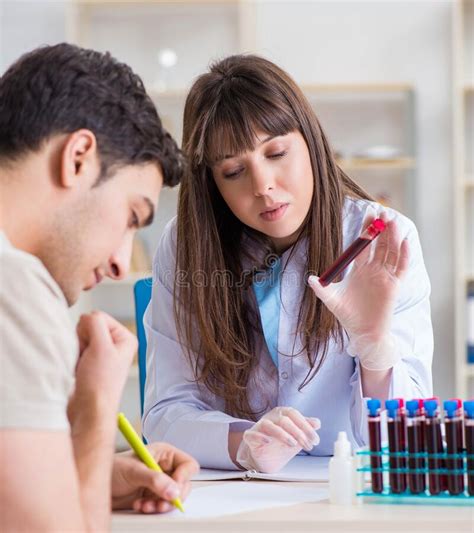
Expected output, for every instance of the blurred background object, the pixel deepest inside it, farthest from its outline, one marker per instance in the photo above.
(392, 83)
(167, 59)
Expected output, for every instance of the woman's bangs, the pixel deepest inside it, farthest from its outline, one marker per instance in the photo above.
(235, 124)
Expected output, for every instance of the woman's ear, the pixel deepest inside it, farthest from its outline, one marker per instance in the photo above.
(79, 165)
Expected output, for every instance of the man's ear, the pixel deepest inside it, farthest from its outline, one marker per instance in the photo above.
(80, 163)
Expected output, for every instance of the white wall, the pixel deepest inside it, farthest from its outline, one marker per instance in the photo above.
(332, 41)
(26, 24)
(379, 41)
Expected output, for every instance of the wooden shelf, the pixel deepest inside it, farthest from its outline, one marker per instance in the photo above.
(358, 88)
(170, 94)
(134, 373)
(308, 89)
(463, 91)
(129, 281)
(152, 2)
(356, 163)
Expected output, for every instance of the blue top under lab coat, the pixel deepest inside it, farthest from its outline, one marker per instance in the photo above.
(187, 415)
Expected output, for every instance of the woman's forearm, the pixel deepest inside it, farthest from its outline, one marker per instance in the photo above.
(235, 438)
(375, 383)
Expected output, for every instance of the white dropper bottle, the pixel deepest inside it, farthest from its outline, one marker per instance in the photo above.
(341, 472)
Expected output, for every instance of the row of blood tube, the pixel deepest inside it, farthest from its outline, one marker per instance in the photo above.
(416, 446)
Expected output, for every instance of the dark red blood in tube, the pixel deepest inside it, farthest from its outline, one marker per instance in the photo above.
(372, 231)
(469, 437)
(416, 446)
(375, 444)
(434, 447)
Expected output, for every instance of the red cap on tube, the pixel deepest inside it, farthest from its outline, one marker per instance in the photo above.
(457, 400)
(420, 403)
(376, 227)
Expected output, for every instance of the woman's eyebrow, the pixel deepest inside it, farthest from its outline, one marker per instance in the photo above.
(230, 156)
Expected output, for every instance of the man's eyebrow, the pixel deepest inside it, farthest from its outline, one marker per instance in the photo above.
(151, 209)
(229, 156)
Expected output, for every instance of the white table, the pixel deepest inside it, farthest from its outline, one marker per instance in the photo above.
(315, 517)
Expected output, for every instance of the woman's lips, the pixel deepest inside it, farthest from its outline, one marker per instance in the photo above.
(274, 214)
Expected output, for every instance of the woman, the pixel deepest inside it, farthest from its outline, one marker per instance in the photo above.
(248, 354)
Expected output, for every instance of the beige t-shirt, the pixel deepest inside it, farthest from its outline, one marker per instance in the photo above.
(38, 344)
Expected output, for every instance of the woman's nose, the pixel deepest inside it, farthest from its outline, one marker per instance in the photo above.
(262, 181)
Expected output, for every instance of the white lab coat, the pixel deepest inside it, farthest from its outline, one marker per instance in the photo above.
(185, 414)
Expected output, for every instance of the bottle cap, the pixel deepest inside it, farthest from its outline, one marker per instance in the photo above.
(401, 402)
(392, 407)
(433, 398)
(421, 403)
(342, 446)
(469, 408)
(375, 228)
(413, 407)
(379, 225)
(373, 405)
(451, 407)
(458, 402)
(431, 406)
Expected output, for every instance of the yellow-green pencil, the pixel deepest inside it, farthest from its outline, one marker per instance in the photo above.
(142, 451)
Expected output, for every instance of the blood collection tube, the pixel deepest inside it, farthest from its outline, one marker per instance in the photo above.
(368, 235)
(396, 445)
(469, 439)
(459, 426)
(422, 415)
(434, 446)
(403, 421)
(375, 444)
(416, 445)
(453, 427)
(443, 478)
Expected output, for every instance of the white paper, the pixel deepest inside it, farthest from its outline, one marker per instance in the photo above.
(209, 474)
(300, 468)
(222, 499)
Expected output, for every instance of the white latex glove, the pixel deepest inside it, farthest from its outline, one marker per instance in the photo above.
(276, 438)
(363, 302)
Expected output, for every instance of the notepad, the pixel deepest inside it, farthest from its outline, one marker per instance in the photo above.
(220, 499)
(304, 468)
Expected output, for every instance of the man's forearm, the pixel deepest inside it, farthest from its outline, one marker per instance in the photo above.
(93, 438)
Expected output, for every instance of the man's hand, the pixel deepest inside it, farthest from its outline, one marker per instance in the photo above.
(135, 486)
(106, 352)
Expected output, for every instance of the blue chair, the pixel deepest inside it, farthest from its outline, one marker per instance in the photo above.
(142, 296)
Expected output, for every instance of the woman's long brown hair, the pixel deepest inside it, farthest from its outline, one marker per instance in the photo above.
(215, 318)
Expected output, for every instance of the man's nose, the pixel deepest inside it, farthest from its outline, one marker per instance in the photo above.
(119, 261)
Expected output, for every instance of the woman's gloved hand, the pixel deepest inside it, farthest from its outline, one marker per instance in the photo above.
(363, 302)
(276, 438)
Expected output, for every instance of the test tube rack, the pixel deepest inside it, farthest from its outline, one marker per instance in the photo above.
(364, 470)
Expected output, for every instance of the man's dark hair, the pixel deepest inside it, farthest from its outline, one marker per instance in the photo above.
(63, 88)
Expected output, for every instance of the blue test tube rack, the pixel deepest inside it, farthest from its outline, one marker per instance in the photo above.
(364, 470)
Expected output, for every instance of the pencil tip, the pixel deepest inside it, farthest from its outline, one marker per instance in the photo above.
(177, 503)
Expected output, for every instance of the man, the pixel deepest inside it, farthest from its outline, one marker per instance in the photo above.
(83, 157)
